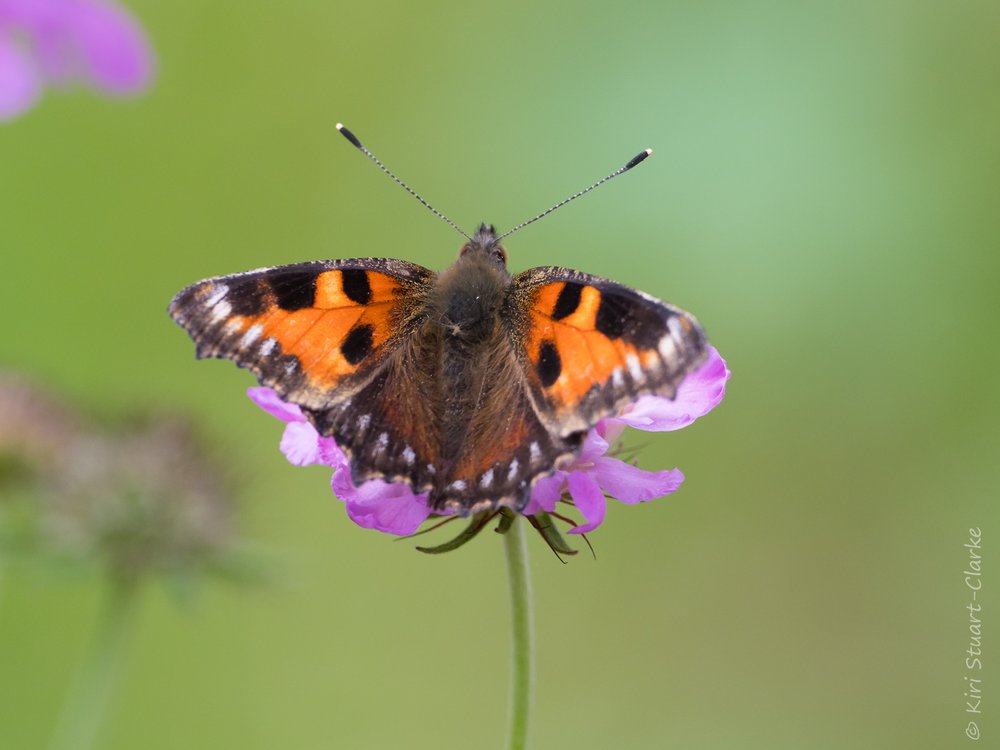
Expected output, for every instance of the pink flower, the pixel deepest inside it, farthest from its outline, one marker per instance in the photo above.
(61, 41)
(394, 509)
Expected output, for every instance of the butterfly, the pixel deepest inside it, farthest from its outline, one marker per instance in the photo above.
(470, 384)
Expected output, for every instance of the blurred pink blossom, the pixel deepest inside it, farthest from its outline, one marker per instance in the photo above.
(58, 42)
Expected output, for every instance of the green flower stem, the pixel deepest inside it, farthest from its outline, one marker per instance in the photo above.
(94, 685)
(523, 682)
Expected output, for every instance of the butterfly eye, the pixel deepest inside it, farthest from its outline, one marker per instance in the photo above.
(499, 255)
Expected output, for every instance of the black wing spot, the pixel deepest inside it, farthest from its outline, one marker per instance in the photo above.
(248, 298)
(356, 286)
(294, 290)
(358, 344)
(549, 364)
(611, 317)
(568, 300)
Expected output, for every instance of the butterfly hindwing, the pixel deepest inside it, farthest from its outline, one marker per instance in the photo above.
(589, 345)
(388, 427)
(404, 425)
(313, 332)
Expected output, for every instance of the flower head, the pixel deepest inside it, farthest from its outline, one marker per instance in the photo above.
(592, 476)
(140, 498)
(62, 41)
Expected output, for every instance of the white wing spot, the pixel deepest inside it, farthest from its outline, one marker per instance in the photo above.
(408, 455)
(267, 346)
(512, 471)
(430, 469)
(535, 452)
(458, 484)
(668, 346)
(216, 296)
(634, 368)
(253, 333)
(290, 366)
(383, 441)
(363, 421)
(487, 479)
(617, 379)
(221, 311)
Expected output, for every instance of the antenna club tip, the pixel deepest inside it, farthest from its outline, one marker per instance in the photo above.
(349, 135)
(637, 159)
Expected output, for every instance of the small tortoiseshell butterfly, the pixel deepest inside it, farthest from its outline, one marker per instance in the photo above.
(469, 384)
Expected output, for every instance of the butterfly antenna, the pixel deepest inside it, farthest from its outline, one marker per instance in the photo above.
(635, 161)
(354, 139)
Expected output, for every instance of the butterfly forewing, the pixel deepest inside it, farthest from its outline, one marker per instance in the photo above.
(589, 345)
(314, 332)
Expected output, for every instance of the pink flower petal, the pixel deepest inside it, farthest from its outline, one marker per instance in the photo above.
(390, 508)
(610, 430)
(632, 485)
(301, 444)
(593, 446)
(589, 499)
(271, 402)
(113, 46)
(89, 39)
(20, 86)
(545, 494)
(331, 454)
(698, 394)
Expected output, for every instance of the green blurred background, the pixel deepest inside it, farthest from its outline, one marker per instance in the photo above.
(823, 197)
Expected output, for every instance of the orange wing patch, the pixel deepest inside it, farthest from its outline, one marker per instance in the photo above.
(572, 304)
(336, 334)
(346, 289)
(575, 345)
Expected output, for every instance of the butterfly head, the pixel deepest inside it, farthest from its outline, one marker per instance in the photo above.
(469, 294)
(484, 245)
